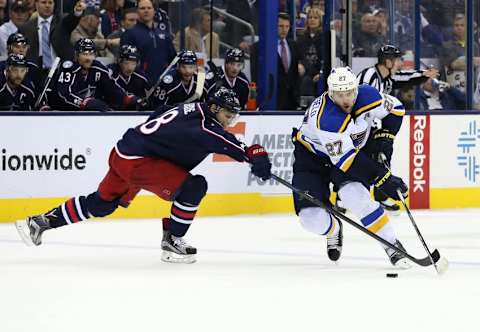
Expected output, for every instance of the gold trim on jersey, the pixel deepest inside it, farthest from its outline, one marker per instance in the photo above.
(345, 123)
(379, 223)
(348, 162)
(398, 112)
(322, 107)
(299, 138)
(368, 107)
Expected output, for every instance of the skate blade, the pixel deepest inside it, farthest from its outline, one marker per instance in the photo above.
(170, 257)
(442, 265)
(24, 232)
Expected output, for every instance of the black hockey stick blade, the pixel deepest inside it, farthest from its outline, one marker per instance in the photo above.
(419, 261)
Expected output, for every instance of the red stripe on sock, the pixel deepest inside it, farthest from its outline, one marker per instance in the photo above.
(183, 214)
(71, 211)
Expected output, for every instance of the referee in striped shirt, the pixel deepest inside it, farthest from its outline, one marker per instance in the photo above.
(386, 76)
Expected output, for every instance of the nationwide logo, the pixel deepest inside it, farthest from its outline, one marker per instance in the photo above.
(468, 144)
(42, 162)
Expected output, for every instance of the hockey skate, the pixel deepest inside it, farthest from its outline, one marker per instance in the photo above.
(31, 229)
(176, 250)
(335, 243)
(396, 258)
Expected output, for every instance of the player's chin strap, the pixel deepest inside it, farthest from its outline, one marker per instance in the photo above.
(433, 258)
(441, 265)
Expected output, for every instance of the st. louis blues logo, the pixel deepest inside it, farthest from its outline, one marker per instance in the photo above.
(468, 145)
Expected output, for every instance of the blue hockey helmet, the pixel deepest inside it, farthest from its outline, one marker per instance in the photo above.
(16, 60)
(129, 53)
(187, 57)
(234, 55)
(85, 45)
(226, 98)
(16, 38)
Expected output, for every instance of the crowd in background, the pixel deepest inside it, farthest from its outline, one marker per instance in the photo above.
(113, 23)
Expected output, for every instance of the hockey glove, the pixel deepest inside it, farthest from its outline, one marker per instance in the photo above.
(258, 157)
(389, 184)
(92, 104)
(384, 143)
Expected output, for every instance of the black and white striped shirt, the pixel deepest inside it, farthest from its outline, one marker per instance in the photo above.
(372, 77)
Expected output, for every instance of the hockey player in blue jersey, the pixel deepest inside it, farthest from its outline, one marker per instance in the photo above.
(86, 84)
(158, 156)
(17, 93)
(180, 83)
(127, 74)
(18, 44)
(329, 149)
(232, 76)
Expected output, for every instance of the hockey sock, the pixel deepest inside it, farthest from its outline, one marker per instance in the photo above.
(317, 220)
(72, 211)
(181, 217)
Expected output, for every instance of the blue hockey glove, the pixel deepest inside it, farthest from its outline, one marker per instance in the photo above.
(389, 184)
(258, 157)
(92, 104)
(384, 143)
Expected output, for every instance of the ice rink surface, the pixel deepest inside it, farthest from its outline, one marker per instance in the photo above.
(253, 273)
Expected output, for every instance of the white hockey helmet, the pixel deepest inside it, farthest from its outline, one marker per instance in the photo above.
(342, 79)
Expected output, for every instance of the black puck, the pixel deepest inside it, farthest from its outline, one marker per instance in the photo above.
(392, 275)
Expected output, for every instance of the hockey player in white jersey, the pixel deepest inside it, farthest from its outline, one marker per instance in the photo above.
(329, 149)
(386, 76)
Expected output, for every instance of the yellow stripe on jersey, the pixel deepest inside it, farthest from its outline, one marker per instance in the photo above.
(345, 123)
(376, 226)
(368, 107)
(345, 166)
(398, 112)
(304, 143)
(322, 107)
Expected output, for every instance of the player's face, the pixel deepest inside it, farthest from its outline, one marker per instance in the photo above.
(232, 69)
(187, 71)
(21, 49)
(16, 75)
(128, 67)
(225, 117)
(345, 99)
(86, 59)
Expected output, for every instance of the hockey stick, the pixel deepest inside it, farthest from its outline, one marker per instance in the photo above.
(170, 66)
(441, 265)
(200, 84)
(304, 194)
(47, 81)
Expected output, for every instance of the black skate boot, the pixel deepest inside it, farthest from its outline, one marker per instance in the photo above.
(31, 229)
(335, 243)
(175, 249)
(397, 259)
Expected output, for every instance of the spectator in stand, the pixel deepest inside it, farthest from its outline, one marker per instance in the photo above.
(18, 16)
(111, 15)
(49, 34)
(452, 55)
(438, 95)
(129, 19)
(311, 52)
(89, 27)
(368, 40)
(30, 4)
(3, 11)
(155, 47)
(236, 34)
(197, 34)
(288, 77)
(382, 18)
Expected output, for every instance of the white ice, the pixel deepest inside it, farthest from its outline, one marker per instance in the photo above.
(255, 273)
